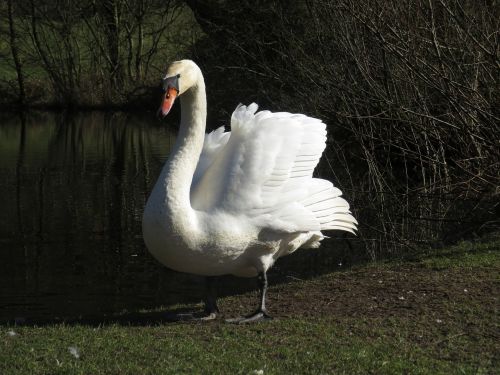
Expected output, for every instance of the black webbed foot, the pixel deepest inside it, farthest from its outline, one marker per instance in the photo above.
(257, 316)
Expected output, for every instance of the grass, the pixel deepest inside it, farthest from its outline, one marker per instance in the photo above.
(284, 346)
(434, 314)
(464, 255)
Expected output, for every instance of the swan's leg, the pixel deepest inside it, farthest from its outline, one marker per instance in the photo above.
(211, 309)
(262, 280)
(261, 313)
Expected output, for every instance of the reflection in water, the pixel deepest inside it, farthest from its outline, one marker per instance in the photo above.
(72, 190)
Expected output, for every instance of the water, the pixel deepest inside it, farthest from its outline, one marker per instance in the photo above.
(72, 191)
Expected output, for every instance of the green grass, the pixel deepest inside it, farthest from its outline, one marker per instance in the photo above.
(283, 346)
(465, 255)
(439, 327)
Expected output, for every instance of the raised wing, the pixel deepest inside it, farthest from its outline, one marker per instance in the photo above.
(213, 143)
(264, 171)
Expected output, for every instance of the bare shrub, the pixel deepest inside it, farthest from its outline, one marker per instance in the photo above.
(410, 93)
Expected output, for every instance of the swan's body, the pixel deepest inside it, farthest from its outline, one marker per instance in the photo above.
(234, 202)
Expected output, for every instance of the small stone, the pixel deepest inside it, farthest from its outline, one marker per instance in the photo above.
(74, 351)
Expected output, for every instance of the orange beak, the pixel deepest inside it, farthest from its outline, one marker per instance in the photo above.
(168, 101)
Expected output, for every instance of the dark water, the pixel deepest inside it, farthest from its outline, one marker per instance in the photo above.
(72, 191)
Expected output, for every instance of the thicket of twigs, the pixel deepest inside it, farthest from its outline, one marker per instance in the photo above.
(89, 53)
(409, 91)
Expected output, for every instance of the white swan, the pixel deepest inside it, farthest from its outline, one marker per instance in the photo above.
(234, 202)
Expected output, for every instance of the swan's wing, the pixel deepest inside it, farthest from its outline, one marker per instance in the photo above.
(213, 143)
(264, 171)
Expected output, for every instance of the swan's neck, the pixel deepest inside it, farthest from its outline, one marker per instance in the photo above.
(184, 157)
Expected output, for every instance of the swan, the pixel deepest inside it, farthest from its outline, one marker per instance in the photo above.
(233, 202)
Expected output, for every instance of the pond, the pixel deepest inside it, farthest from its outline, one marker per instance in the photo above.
(72, 191)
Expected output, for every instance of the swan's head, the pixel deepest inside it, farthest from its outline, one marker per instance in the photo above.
(181, 76)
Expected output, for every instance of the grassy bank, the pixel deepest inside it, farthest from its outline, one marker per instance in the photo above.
(433, 313)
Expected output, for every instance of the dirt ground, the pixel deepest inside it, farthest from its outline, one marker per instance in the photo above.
(452, 311)
(402, 290)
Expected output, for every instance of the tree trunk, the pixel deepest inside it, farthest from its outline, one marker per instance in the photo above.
(110, 15)
(140, 41)
(15, 54)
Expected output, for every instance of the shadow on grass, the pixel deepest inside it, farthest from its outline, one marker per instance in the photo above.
(335, 255)
(157, 317)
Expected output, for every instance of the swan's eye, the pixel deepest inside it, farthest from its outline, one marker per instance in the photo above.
(178, 76)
